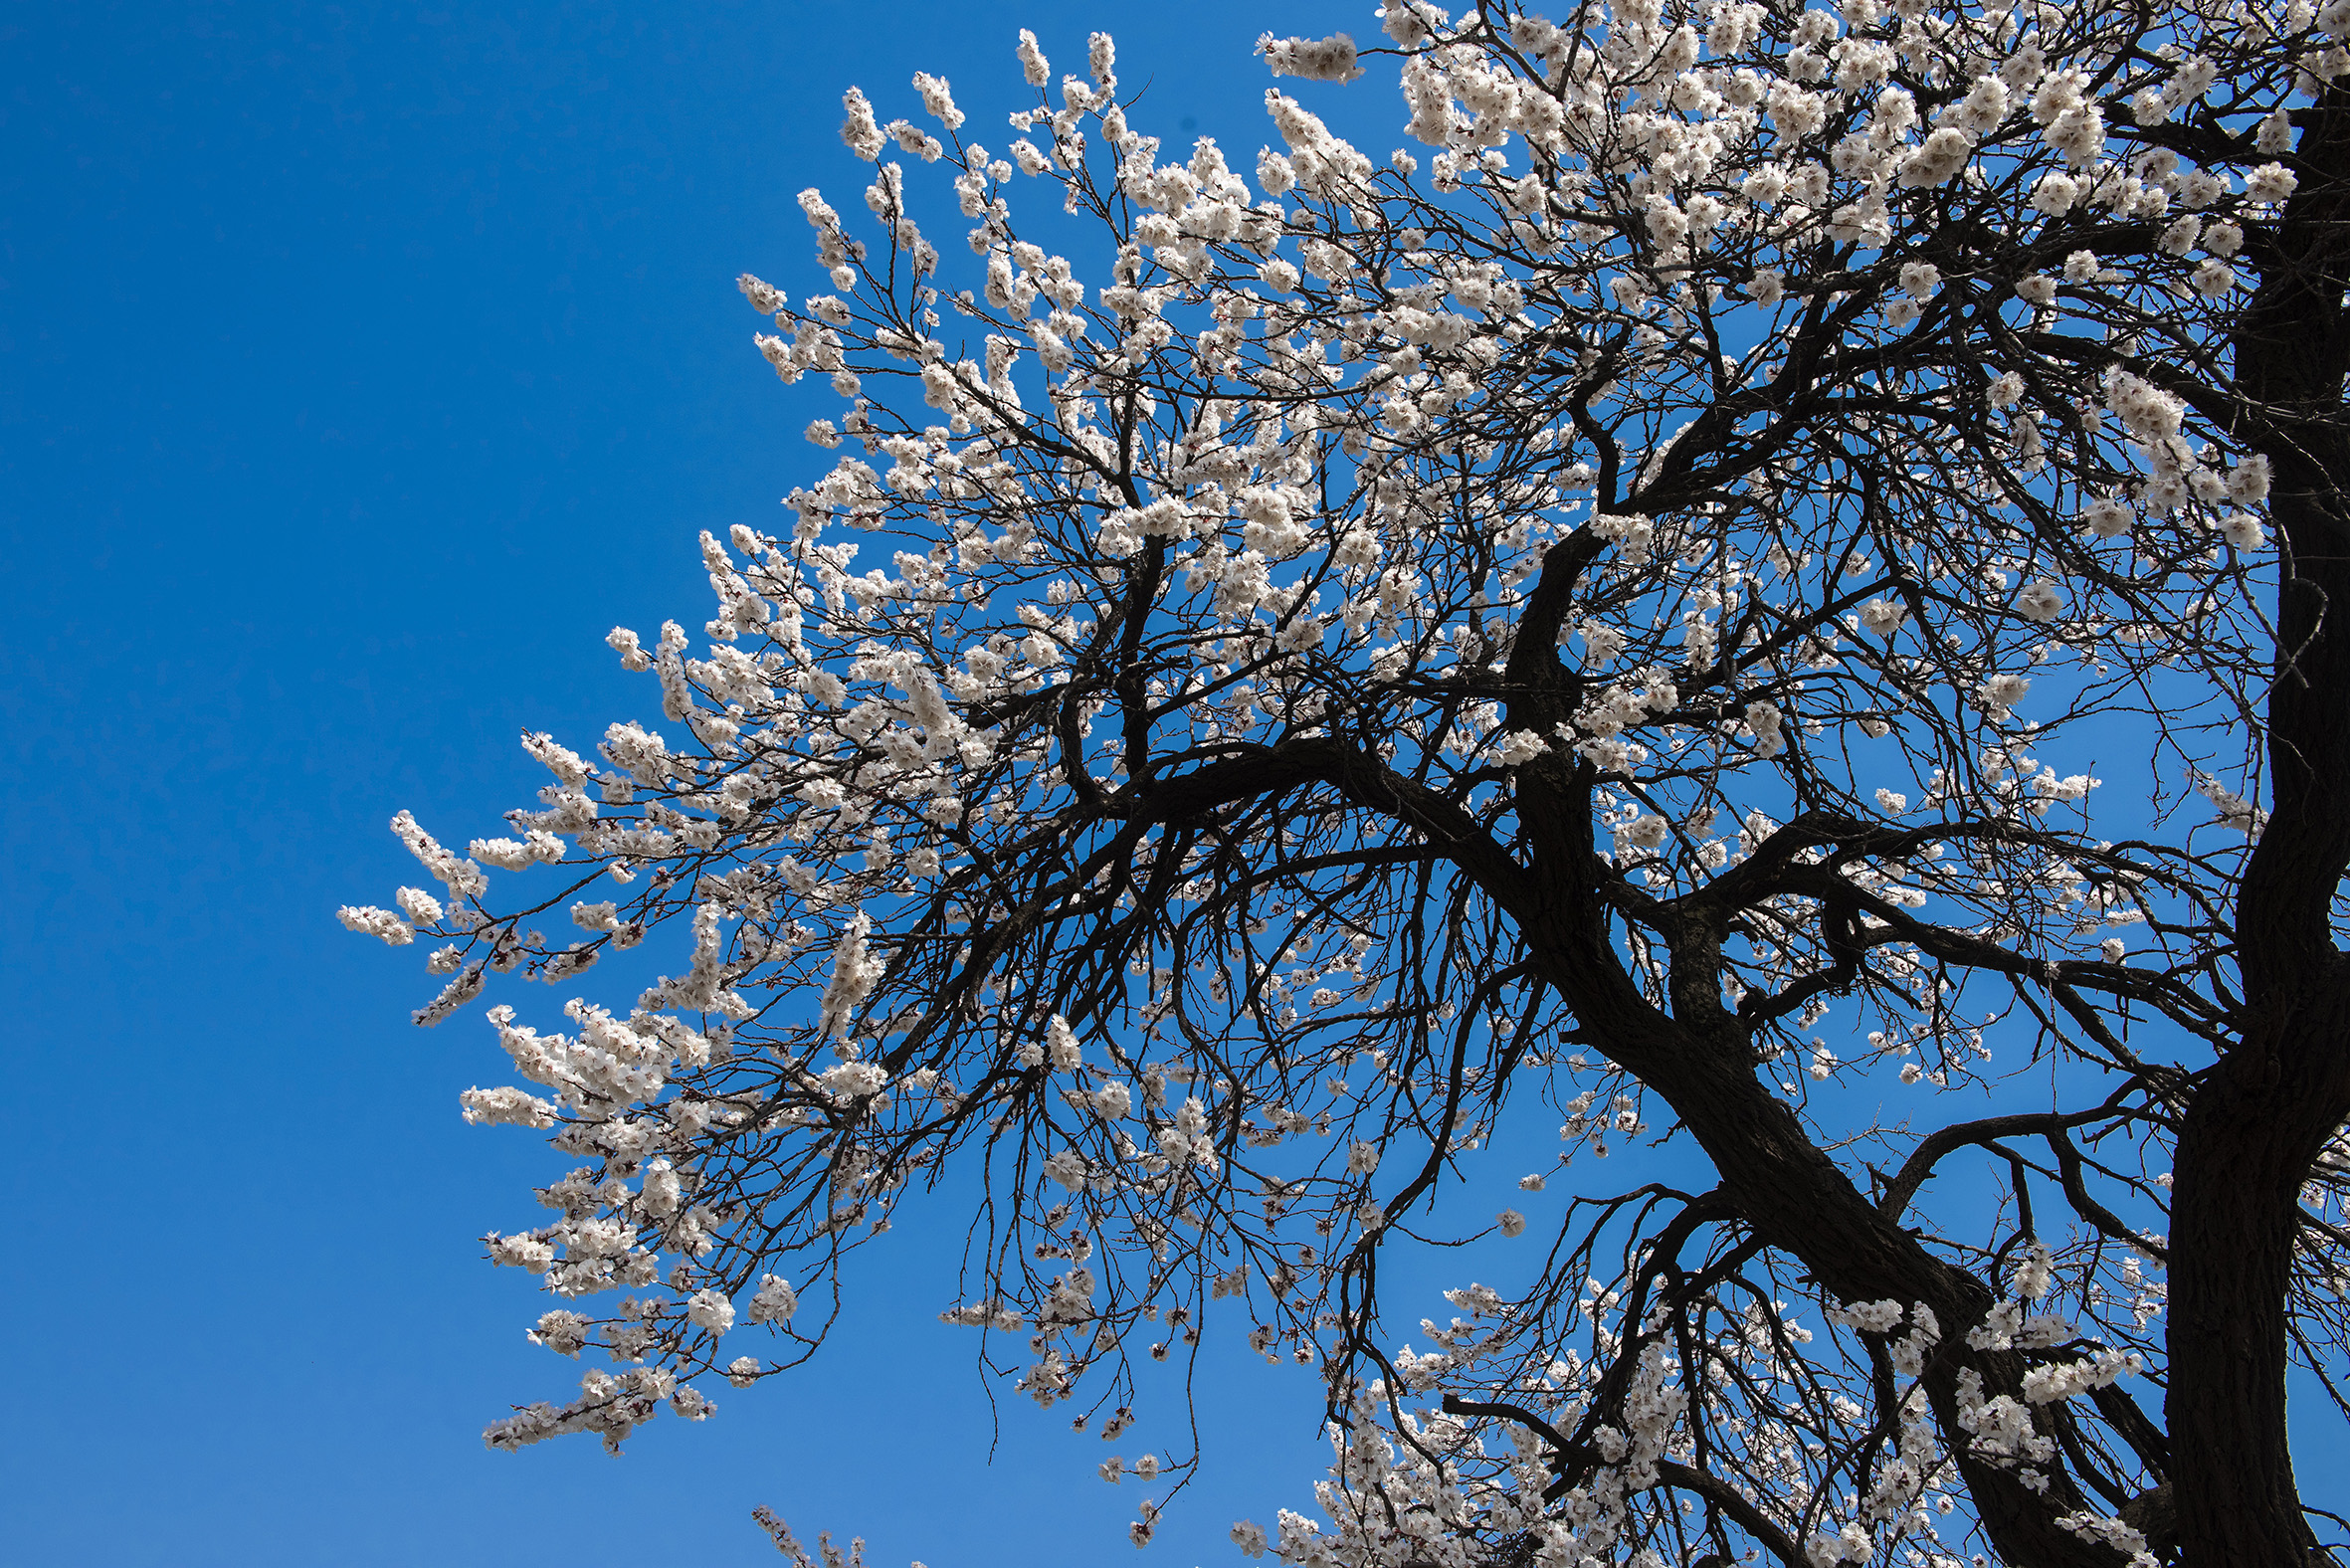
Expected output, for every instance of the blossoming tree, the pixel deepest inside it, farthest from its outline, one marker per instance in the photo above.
(1289, 667)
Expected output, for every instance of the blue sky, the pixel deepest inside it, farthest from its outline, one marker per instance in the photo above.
(359, 368)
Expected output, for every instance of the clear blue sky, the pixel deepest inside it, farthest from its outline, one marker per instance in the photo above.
(359, 368)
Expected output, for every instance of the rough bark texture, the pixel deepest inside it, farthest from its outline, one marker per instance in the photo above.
(2263, 1114)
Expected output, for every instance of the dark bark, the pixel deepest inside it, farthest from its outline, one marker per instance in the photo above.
(1778, 1180)
(1799, 1199)
(2154, 1513)
(2266, 1111)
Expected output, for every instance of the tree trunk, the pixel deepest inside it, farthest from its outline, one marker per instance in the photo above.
(2243, 1154)
(2266, 1111)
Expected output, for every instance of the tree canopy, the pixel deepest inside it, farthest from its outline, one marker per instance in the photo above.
(1612, 606)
